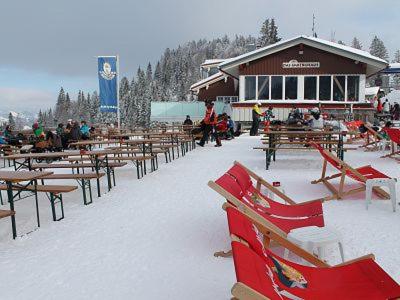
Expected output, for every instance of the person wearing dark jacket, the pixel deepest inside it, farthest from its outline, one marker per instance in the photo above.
(188, 121)
(256, 115)
(75, 132)
(208, 123)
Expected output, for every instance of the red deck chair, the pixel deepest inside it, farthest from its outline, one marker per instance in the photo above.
(361, 278)
(272, 277)
(230, 190)
(361, 174)
(394, 135)
(242, 177)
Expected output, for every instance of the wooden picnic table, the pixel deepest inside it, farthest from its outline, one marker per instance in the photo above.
(28, 157)
(14, 177)
(275, 139)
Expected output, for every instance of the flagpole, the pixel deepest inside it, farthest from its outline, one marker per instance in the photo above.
(118, 108)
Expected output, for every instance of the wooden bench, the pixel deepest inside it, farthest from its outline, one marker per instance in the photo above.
(140, 170)
(55, 192)
(82, 179)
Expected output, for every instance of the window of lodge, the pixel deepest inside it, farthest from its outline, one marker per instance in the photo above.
(339, 88)
(276, 87)
(308, 87)
(291, 87)
(250, 88)
(263, 88)
(353, 88)
(325, 88)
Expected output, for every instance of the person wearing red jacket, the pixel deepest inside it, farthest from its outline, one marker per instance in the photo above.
(221, 128)
(208, 123)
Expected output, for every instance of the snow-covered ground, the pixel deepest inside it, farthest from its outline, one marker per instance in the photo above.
(154, 238)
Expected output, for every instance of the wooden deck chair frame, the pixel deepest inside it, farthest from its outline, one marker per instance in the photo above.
(262, 182)
(271, 234)
(376, 136)
(341, 193)
(393, 152)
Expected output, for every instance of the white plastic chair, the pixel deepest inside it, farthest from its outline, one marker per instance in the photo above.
(389, 182)
(313, 237)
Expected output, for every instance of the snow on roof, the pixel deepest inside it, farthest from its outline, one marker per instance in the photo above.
(212, 78)
(373, 90)
(394, 65)
(360, 54)
(213, 61)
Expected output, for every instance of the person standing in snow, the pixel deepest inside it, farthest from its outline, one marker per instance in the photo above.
(396, 111)
(85, 130)
(386, 107)
(256, 115)
(208, 123)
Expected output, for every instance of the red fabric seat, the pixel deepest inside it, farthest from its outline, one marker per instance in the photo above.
(285, 224)
(394, 134)
(273, 276)
(367, 171)
(300, 210)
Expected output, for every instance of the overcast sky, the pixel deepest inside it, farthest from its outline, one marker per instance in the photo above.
(46, 44)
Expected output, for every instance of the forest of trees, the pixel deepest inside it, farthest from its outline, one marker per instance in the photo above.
(171, 78)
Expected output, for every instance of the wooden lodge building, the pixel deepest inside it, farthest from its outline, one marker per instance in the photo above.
(303, 71)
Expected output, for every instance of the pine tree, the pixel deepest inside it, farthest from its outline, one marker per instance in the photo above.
(396, 77)
(356, 43)
(396, 58)
(59, 112)
(273, 35)
(264, 34)
(378, 49)
(268, 33)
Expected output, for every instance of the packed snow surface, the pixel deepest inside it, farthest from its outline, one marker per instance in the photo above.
(154, 238)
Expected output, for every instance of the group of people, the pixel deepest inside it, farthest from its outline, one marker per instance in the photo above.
(257, 114)
(58, 139)
(384, 107)
(217, 126)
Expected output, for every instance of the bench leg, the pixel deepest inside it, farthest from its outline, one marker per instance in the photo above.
(53, 202)
(137, 170)
(11, 202)
(37, 206)
(98, 186)
(113, 175)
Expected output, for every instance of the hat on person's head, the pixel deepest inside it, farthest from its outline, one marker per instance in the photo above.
(187, 117)
(258, 103)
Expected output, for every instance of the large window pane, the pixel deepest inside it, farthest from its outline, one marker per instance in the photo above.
(276, 87)
(291, 87)
(310, 88)
(250, 88)
(339, 88)
(353, 88)
(325, 88)
(263, 87)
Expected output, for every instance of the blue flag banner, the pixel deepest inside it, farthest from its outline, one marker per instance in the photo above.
(107, 68)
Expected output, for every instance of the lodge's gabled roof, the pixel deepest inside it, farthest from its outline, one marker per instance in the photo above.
(374, 64)
(207, 81)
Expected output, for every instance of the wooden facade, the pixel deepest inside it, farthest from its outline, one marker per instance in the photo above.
(219, 88)
(329, 63)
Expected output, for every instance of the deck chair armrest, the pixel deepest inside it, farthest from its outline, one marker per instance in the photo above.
(368, 256)
(311, 201)
(261, 181)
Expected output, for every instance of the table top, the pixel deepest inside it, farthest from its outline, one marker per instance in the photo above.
(42, 155)
(141, 141)
(94, 142)
(18, 176)
(310, 132)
